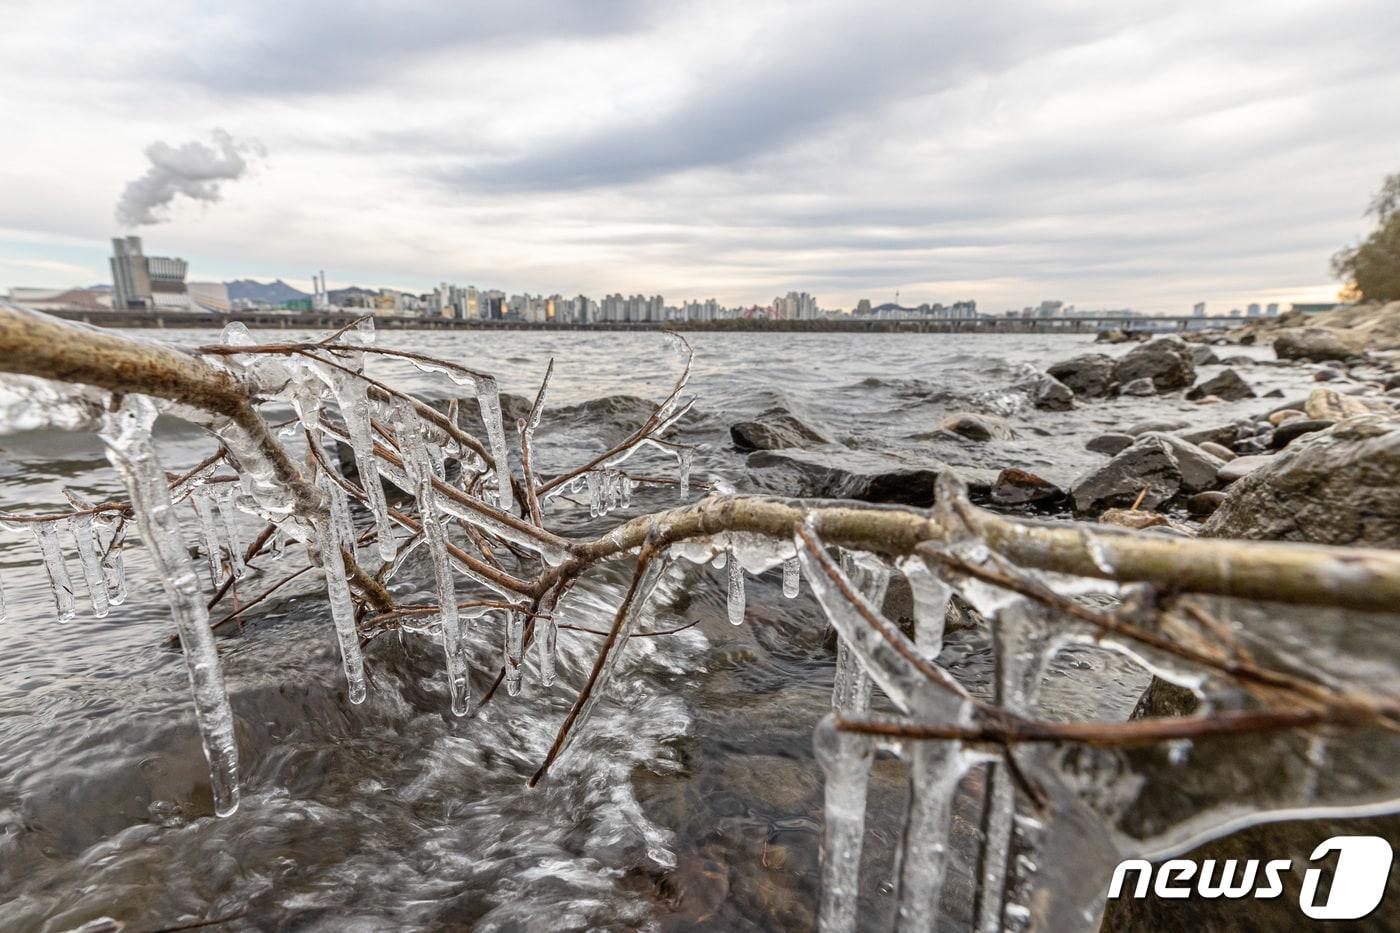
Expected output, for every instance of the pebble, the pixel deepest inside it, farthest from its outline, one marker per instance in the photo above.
(1240, 467)
(1203, 503)
(1291, 430)
(1219, 450)
(1110, 444)
(1279, 417)
(1142, 427)
(1325, 375)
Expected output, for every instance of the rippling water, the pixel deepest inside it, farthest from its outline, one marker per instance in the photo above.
(690, 800)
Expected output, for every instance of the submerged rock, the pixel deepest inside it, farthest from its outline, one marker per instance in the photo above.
(1052, 394)
(1110, 443)
(775, 429)
(1338, 486)
(1227, 384)
(1139, 387)
(976, 427)
(1311, 343)
(1166, 361)
(1092, 375)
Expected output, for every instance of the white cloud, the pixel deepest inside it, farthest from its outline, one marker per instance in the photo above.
(1108, 154)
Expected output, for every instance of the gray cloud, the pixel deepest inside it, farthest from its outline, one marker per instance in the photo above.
(192, 170)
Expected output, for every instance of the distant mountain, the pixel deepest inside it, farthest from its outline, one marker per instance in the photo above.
(273, 294)
(338, 296)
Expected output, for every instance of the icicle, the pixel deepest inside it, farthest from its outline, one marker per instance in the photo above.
(1001, 804)
(514, 651)
(340, 515)
(354, 408)
(626, 487)
(127, 433)
(684, 458)
(332, 546)
(736, 591)
(931, 596)
(235, 547)
(420, 473)
(2, 600)
(792, 577)
(488, 398)
(85, 537)
(46, 534)
(113, 566)
(204, 512)
(595, 497)
(851, 687)
(546, 645)
(845, 759)
(935, 768)
(721, 559)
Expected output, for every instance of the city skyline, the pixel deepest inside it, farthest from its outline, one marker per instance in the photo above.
(1118, 154)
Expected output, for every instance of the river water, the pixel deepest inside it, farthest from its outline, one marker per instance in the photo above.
(691, 799)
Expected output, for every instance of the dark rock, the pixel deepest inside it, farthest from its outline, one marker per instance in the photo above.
(1392, 382)
(1110, 443)
(1166, 361)
(775, 429)
(1149, 463)
(1111, 336)
(1092, 375)
(1311, 343)
(1274, 393)
(1241, 467)
(852, 474)
(1020, 487)
(1204, 503)
(1217, 450)
(1294, 428)
(1227, 385)
(1252, 445)
(1339, 486)
(1326, 375)
(1238, 360)
(978, 427)
(1144, 427)
(1203, 355)
(1198, 467)
(1052, 395)
(1139, 387)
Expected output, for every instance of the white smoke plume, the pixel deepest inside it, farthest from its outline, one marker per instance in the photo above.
(194, 170)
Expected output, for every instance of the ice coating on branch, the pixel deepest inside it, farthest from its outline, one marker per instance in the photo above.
(2, 600)
(85, 537)
(845, 760)
(595, 496)
(208, 532)
(651, 576)
(330, 543)
(792, 577)
(514, 651)
(235, 548)
(409, 430)
(31, 404)
(736, 591)
(127, 433)
(931, 597)
(46, 536)
(350, 392)
(488, 398)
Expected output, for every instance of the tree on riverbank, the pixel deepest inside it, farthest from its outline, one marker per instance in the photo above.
(1283, 714)
(1371, 270)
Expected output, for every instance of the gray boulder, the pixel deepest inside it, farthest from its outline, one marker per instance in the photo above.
(1198, 467)
(1339, 486)
(1150, 463)
(868, 476)
(1311, 343)
(976, 427)
(1092, 375)
(775, 429)
(1166, 361)
(1203, 355)
(1227, 385)
(1052, 395)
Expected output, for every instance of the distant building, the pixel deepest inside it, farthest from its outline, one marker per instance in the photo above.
(210, 296)
(1198, 309)
(46, 299)
(1234, 312)
(1271, 310)
(1253, 310)
(141, 281)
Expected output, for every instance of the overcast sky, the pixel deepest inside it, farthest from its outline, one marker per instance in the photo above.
(1110, 154)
